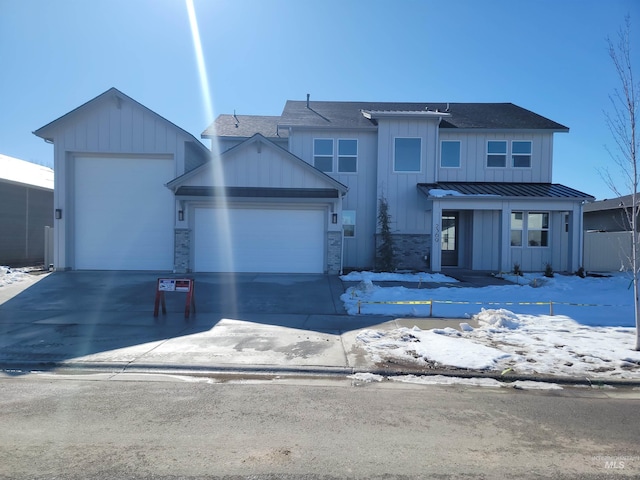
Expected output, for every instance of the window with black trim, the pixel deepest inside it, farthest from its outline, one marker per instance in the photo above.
(538, 229)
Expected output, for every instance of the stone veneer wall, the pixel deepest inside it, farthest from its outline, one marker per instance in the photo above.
(182, 247)
(334, 252)
(410, 250)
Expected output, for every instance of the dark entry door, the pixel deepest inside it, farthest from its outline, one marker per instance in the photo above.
(449, 242)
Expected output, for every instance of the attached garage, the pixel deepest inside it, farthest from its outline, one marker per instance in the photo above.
(259, 239)
(122, 213)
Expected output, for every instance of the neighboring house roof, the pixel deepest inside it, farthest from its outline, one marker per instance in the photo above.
(245, 126)
(610, 204)
(526, 190)
(46, 132)
(14, 170)
(461, 115)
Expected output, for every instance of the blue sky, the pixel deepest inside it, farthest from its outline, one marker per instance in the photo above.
(549, 56)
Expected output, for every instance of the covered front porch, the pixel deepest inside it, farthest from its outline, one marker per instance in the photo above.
(489, 227)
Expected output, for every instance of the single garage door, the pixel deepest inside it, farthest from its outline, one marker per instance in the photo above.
(123, 214)
(277, 240)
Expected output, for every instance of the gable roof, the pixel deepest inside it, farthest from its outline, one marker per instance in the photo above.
(47, 131)
(14, 170)
(505, 190)
(245, 126)
(176, 183)
(461, 115)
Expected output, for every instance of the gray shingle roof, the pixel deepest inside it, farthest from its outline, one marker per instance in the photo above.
(610, 203)
(528, 190)
(245, 126)
(462, 115)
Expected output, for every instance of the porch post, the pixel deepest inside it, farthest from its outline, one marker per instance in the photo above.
(576, 258)
(505, 239)
(436, 236)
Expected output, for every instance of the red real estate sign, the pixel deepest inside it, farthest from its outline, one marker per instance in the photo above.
(175, 285)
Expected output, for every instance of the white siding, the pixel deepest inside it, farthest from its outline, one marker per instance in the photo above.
(473, 158)
(486, 240)
(407, 206)
(358, 251)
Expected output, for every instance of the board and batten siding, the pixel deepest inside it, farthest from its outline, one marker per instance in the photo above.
(473, 158)
(407, 206)
(486, 240)
(109, 126)
(358, 251)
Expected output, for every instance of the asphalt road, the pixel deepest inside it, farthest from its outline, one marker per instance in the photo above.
(168, 428)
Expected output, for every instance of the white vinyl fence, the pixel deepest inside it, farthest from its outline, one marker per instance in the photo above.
(607, 251)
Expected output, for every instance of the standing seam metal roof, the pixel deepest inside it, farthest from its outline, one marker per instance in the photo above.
(529, 190)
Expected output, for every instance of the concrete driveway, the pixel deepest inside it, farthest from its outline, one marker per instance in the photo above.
(104, 320)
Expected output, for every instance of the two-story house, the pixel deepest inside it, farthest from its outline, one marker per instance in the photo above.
(467, 184)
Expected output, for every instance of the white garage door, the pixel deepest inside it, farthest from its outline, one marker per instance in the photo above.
(123, 214)
(273, 240)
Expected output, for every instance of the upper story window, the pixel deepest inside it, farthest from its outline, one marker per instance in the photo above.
(497, 153)
(347, 156)
(449, 154)
(407, 155)
(323, 154)
(521, 154)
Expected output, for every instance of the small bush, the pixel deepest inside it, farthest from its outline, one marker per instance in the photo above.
(516, 269)
(581, 273)
(548, 270)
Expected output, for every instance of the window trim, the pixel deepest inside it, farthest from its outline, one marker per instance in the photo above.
(514, 155)
(541, 229)
(333, 146)
(350, 224)
(419, 160)
(506, 153)
(459, 142)
(347, 156)
(525, 229)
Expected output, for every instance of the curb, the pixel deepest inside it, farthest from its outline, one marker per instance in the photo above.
(293, 371)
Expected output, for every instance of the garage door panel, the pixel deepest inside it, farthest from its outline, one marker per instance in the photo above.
(259, 240)
(123, 217)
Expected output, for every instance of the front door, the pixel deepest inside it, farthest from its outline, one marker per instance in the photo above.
(449, 242)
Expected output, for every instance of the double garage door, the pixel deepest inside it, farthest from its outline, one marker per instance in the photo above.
(259, 239)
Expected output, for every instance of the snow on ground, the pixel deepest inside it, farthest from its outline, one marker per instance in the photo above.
(590, 333)
(12, 275)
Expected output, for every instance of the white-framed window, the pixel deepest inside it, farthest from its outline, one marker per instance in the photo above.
(407, 154)
(532, 226)
(349, 223)
(521, 154)
(347, 155)
(538, 229)
(323, 154)
(517, 226)
(497, 153)
(450, 154)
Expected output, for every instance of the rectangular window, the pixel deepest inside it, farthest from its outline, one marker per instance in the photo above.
(517, 226)
(538, 229)
(323, 154)
(497, 154)
(449, 154)
(521, 154)
(349, 223)
(407, 155)
(347, 156)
